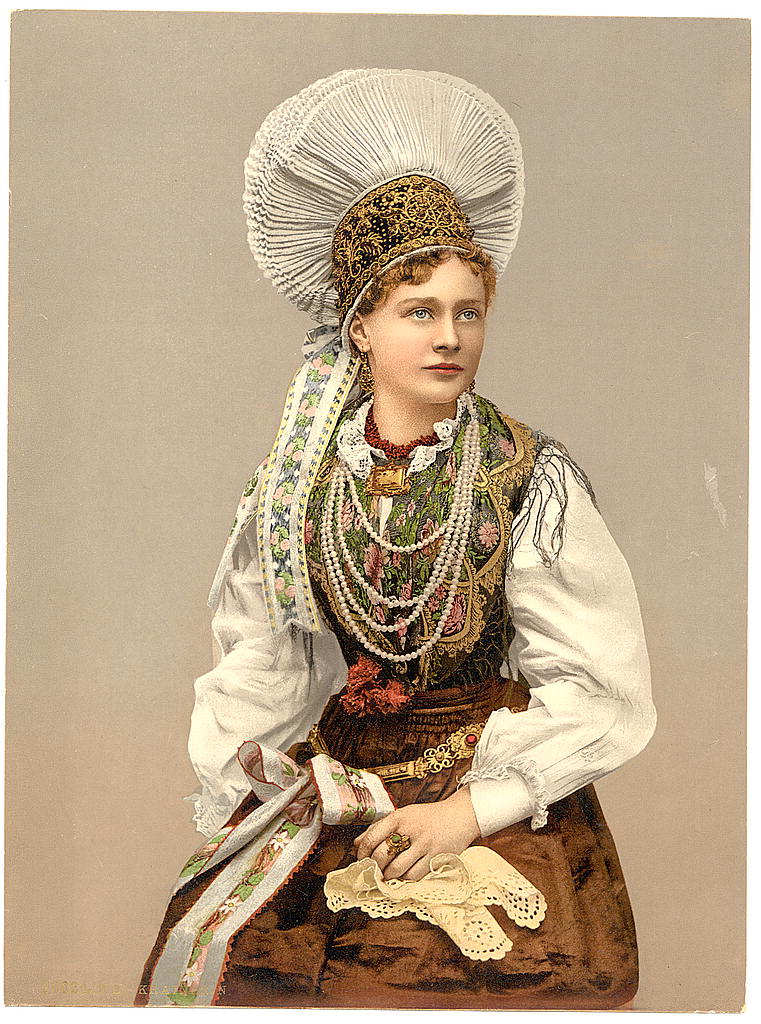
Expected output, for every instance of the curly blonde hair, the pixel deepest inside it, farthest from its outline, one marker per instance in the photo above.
(417, 269)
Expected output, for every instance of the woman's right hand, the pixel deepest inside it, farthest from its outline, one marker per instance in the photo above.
(447, 826)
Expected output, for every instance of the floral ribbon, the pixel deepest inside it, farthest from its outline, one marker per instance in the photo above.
(278, 492)
(262, 851)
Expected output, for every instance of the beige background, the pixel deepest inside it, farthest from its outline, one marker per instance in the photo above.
(148, 364)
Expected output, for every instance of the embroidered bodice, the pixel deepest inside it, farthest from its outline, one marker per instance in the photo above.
(568, 620)
(477, 632)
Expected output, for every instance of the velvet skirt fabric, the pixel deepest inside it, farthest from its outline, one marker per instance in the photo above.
(297, 953)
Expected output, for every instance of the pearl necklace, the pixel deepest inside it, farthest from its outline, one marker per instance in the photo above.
(451, 529)
(456, 531)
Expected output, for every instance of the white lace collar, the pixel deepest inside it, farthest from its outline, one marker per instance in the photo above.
(355, 451)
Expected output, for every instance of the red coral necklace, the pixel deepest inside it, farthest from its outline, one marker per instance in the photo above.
(393, 451)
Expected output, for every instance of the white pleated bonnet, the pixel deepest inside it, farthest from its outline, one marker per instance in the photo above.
(322, 151)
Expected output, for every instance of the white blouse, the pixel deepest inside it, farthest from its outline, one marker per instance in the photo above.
(578, 642)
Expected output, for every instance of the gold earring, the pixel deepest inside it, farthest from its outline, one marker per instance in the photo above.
(472, 386)
(366, 379)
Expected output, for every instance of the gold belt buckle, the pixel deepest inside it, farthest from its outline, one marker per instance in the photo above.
(457, 746)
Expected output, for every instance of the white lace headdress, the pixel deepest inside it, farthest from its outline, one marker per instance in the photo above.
(344, 180)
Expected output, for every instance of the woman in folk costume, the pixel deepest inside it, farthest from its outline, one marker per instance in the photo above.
(431, 646)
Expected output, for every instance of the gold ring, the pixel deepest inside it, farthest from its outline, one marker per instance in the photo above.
(398, 842)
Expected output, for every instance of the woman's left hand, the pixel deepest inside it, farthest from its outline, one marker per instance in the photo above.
(447, 826)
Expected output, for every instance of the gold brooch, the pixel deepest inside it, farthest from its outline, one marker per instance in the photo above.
(387, 480)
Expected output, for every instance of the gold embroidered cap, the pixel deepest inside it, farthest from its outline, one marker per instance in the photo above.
(402, 216)
(360, 169)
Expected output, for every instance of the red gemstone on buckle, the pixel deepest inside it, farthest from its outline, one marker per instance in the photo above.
(471, 739)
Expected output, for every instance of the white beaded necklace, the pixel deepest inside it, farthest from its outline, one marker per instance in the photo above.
(455, 531)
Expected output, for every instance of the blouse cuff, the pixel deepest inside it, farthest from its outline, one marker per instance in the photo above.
(505, 794)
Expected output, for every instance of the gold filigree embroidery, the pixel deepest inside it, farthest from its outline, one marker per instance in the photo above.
(497, 485)
(394, 219)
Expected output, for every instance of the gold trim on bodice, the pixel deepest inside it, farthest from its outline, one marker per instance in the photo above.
(477, 588)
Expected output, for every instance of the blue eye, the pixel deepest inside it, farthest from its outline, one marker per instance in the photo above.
(425, 313)
(469, 314)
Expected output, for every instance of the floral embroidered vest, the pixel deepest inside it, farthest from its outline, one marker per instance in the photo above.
(477, 633)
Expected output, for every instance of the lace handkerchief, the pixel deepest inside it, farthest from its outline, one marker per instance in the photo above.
(453, 895)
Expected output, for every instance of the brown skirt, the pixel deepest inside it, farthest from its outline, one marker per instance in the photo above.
(297, 953)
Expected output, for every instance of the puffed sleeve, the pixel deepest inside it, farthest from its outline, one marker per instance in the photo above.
(579, 643)
(264, 687)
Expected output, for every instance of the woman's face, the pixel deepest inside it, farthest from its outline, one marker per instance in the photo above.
(425, 341)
